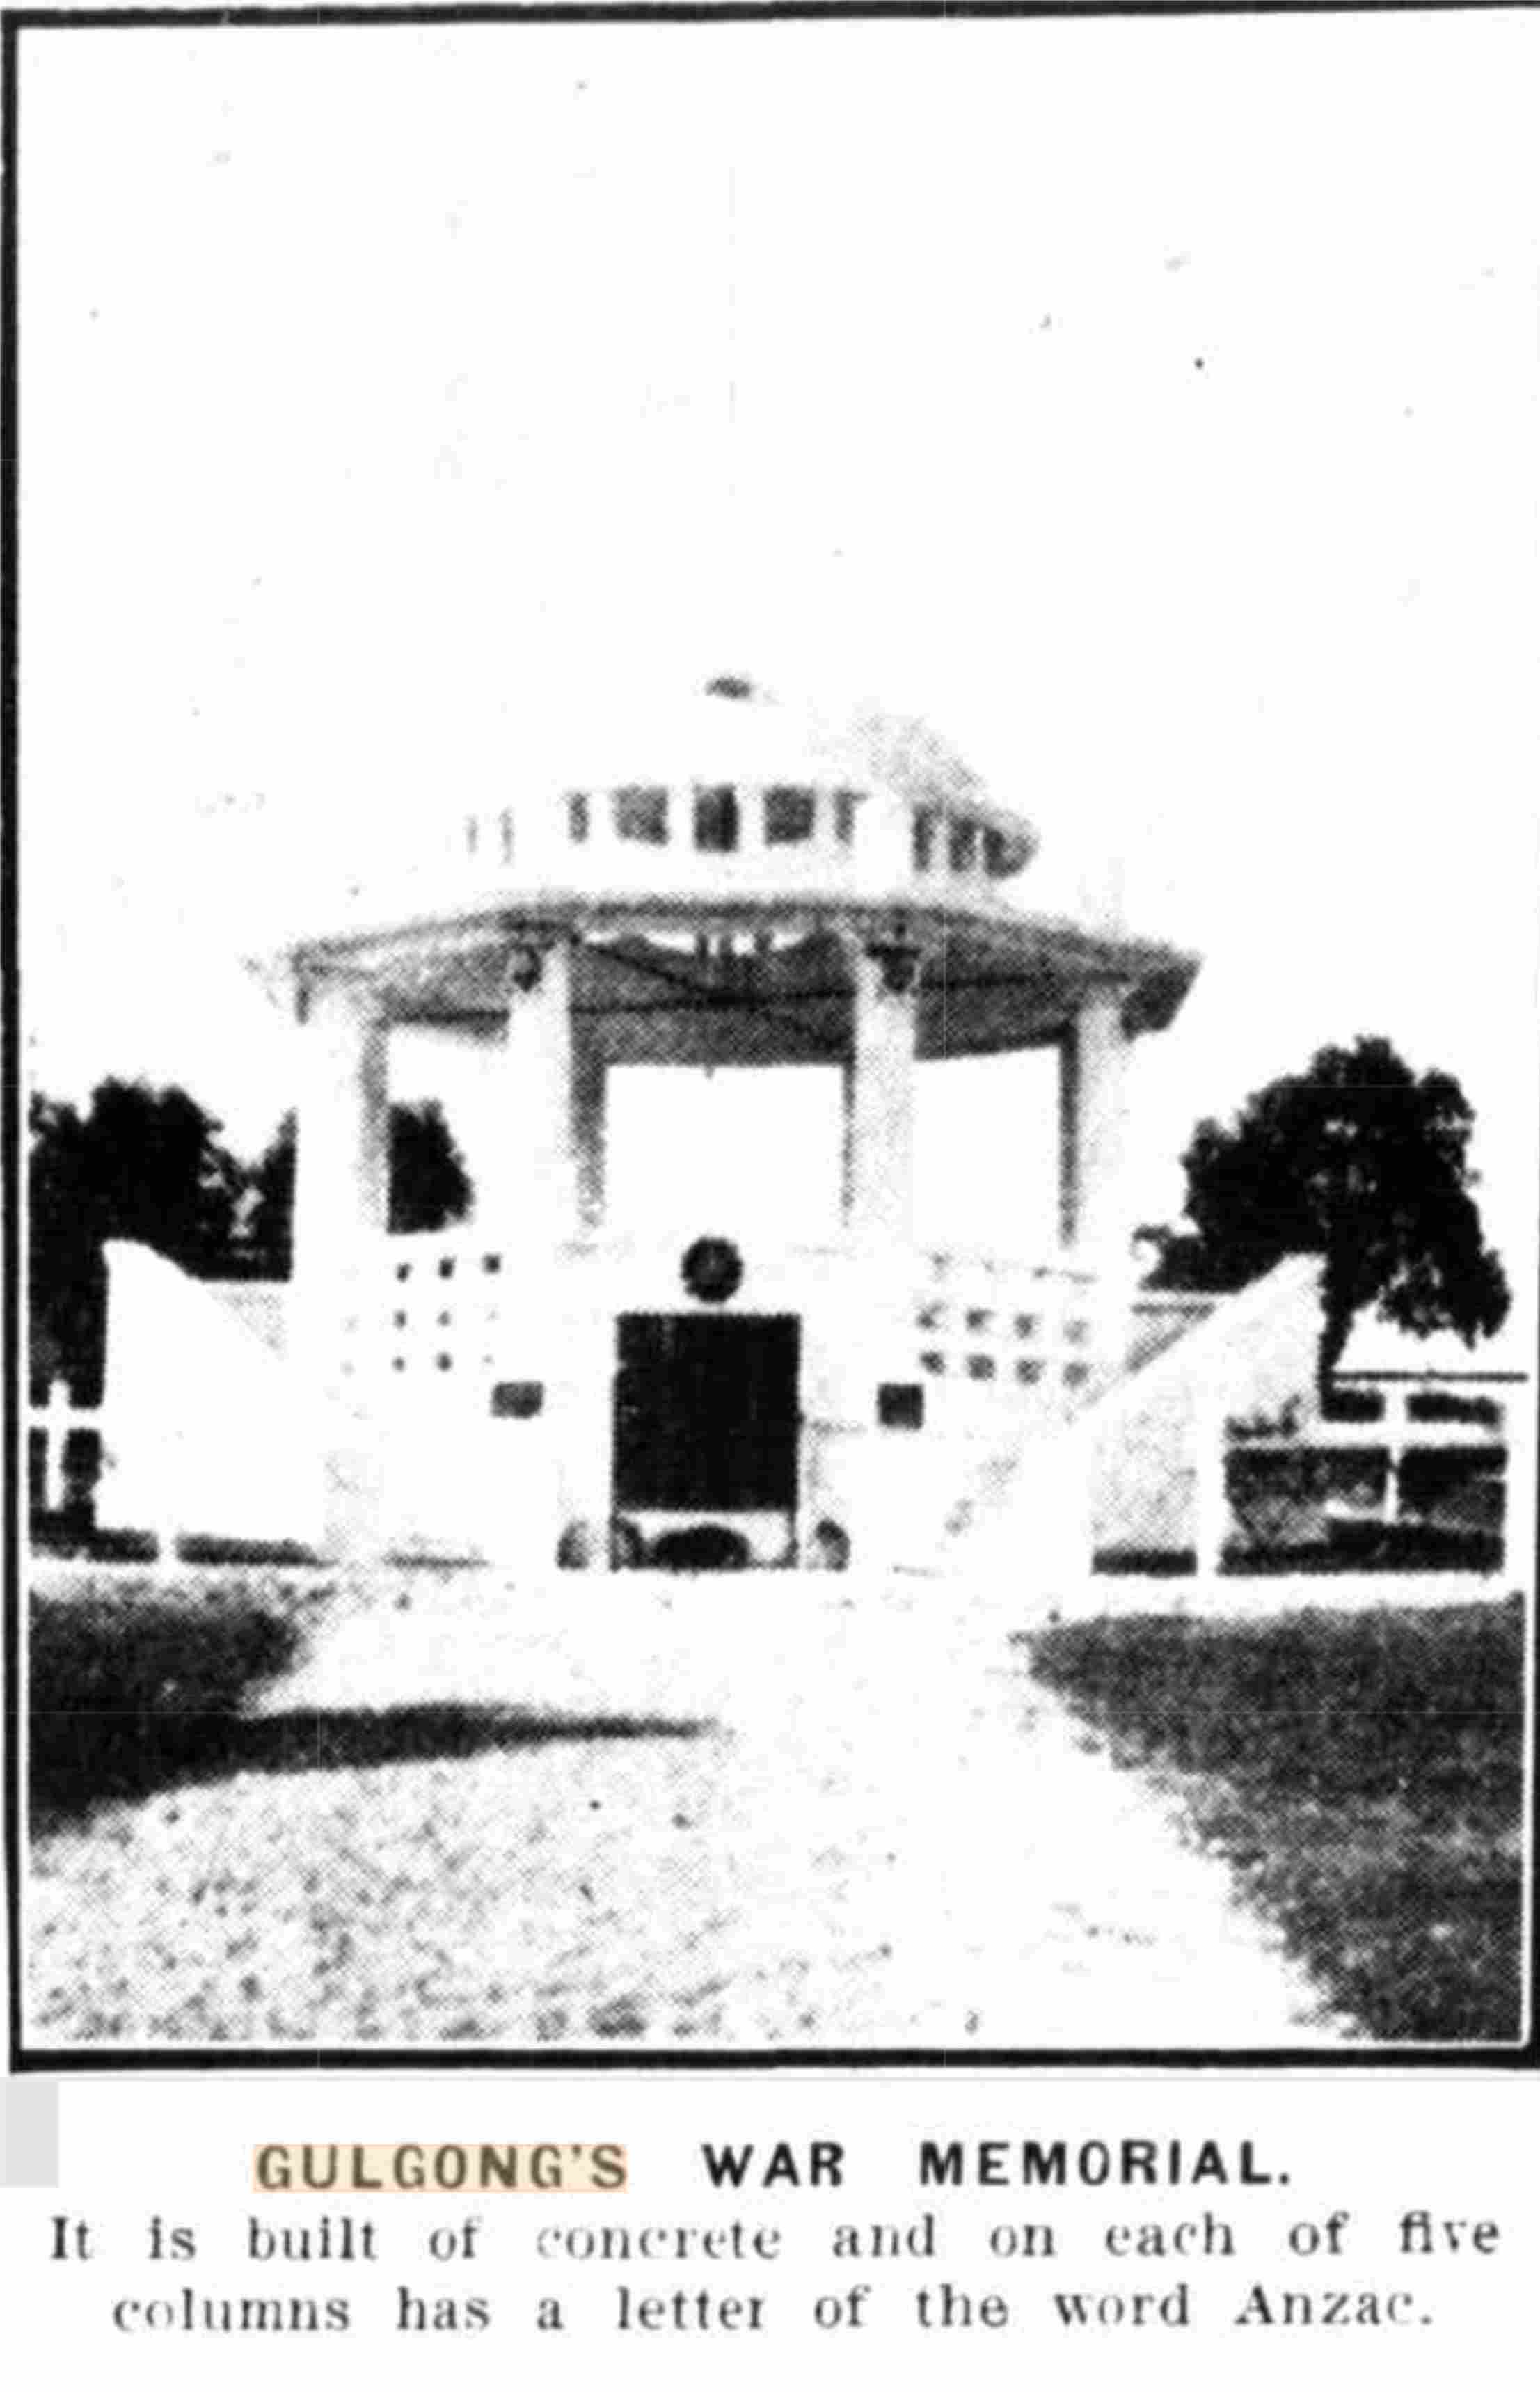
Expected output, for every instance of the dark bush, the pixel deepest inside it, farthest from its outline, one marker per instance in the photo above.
(1412, 1545)
(575, 1546)
(708, 1547)
(628, 1546)
(1276, 1498)
(829, 1547)
(1454, 1489)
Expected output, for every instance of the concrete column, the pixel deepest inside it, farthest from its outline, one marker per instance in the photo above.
(879, 1092)
(1093, 1103)
(342, 1182)
(589, 1133)
(341, 1214)
(539, 1178)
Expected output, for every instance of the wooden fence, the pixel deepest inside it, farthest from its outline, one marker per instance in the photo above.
(1378, 1437)
(1412, 1420)
(50, 1427)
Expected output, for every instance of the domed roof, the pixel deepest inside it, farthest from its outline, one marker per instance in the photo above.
(730, 728)
(711, 860)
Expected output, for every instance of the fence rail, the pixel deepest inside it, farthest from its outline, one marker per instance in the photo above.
(50, 1427)
(1408, 1428)
(1386, 1444)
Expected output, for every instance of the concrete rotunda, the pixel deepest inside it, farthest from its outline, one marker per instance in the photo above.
(734, 884)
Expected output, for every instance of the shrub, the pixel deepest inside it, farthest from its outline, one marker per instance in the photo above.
(707, 1547)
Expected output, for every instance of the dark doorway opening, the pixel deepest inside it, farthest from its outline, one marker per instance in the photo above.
(706, 1413)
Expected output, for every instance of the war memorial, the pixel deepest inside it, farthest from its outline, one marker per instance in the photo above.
(738, 884)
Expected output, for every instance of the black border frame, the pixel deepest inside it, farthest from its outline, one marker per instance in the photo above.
(103, 2061)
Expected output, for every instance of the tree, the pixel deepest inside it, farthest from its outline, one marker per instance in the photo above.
(1363, 1161)
(150, 1164)
(140, 1162)
(430, 1186)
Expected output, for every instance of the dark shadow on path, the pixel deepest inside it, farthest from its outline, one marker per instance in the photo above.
(132, 1689)
(82, 1759)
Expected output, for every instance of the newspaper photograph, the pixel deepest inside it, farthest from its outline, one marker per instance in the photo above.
(772, 1161)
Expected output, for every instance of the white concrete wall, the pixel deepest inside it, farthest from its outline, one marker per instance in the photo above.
(261, 1306)
(1126, 1469)
(207, 1429)
(406, 1453)
(1255, 1351)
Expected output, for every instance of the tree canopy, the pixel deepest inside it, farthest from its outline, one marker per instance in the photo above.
(150, 1164)
(1364, 1161)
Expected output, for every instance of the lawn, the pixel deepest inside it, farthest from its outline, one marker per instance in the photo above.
(1363, 1775)
(131, 1684)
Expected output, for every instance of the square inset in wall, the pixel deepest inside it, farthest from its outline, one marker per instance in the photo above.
(900, 1404)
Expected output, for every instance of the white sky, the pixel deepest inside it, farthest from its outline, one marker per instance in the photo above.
(1155, 406)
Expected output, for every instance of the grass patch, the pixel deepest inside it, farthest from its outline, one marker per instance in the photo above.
(126, 1685)
(1363, 1775)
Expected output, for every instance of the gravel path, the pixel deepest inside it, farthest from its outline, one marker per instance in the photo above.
(840, 1817)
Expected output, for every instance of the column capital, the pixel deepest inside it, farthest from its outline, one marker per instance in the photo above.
(1103, 998)
(524, 968)
(316, 988)
(901, 962)
(896, 948)
(523, 961)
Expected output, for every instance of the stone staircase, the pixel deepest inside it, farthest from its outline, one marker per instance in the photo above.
(1032, 1512)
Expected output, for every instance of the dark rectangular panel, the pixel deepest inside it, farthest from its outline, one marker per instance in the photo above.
(706, 1413)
